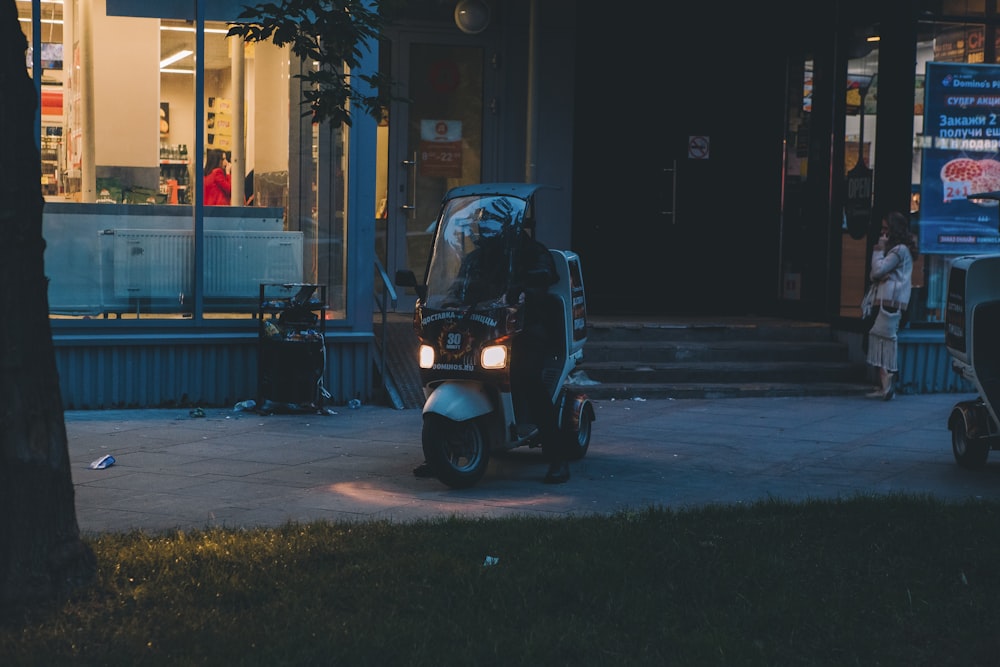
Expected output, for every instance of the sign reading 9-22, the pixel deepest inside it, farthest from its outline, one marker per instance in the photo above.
(961, 158)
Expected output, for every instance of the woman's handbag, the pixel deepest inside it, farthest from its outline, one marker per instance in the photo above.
(868, 303)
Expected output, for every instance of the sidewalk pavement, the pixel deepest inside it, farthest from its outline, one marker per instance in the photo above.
(239, 469)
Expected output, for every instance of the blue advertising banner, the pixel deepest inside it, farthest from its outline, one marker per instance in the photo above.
(961, 158)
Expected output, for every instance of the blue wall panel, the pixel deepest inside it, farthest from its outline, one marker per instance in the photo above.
(925, 368)
(217, 373)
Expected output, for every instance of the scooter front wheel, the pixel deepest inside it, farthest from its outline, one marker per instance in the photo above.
(457, 451)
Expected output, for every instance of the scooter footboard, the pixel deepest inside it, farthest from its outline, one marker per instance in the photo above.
(459, 400)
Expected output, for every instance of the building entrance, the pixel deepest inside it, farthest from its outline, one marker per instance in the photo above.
(436, 140)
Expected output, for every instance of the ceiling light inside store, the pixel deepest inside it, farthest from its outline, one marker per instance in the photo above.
(177, 28)
(170, 60)
(51, 8)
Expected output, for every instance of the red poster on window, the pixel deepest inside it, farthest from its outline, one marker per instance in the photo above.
(441, 148)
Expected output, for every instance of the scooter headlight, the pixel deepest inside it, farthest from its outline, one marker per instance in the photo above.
(426, 356)
(494, 356)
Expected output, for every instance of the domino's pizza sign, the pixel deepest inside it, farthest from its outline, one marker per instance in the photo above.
(961, 158)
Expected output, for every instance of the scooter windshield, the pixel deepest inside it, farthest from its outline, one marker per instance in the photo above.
(471, 262)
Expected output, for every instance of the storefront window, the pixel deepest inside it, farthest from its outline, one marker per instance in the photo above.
(51, 68)
(946, 223)
(794, 227)
(941, 213)
(953, 7)
(325, 225)
(131, 229)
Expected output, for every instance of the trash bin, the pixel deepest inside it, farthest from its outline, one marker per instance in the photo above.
(292, 346)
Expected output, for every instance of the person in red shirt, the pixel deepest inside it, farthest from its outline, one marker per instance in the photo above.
(218, 186)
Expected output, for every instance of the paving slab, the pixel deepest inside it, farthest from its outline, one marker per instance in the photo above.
(243, 470)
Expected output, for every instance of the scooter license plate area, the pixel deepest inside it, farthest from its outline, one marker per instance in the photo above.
(456, 347)
(453, 342)
(458, 337)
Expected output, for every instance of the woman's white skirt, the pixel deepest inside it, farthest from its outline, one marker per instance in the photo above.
(882, 340)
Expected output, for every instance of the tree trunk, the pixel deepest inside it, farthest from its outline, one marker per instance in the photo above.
(41, 553)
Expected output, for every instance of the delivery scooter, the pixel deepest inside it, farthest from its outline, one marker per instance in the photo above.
(972, 337)
(468, 316)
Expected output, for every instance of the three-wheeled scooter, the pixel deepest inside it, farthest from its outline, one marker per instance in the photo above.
(972, 336)
(468, 316)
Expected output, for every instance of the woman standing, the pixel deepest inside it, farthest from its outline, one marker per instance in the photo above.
(218, 187)
(891, 271)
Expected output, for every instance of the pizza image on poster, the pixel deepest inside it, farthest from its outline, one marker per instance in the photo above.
(962, 178)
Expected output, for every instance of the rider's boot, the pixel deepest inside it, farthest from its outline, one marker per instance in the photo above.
(558, 473)
(424, 471)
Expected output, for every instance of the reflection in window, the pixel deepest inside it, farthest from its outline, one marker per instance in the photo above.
(120, 171)
(939, 42)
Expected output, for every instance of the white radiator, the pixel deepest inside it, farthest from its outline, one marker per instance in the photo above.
(159, 264)
(236, 263)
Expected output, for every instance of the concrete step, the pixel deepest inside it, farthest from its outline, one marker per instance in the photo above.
(630, 359)
(663, 390)
(715, 357)
(703, 329)
(691, 351)
(739, 372)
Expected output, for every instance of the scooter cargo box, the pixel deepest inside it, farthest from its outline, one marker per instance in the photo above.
(972, 336)
(574, 299)
(973, 285)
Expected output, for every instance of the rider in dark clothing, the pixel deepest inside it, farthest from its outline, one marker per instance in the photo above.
(534, 272)
(483, 272)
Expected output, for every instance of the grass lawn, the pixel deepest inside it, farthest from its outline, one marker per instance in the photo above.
(897, 580)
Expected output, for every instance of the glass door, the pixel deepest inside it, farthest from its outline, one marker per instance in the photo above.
(860, 110)
(434, 141)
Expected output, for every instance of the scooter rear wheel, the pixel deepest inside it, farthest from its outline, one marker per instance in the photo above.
(458, 452)
(576, 429)
(579, 437)
(970, 453)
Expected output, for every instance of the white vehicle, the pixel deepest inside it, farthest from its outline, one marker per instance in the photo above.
(467, 322)
(972, 336)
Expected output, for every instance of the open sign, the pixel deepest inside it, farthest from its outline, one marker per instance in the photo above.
(858, 200)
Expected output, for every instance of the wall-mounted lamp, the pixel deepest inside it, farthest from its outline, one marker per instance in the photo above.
(472, 16)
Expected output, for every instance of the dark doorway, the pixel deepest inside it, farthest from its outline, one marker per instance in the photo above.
(677, 166)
